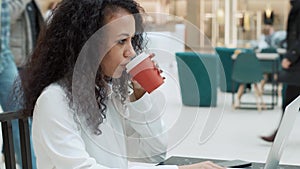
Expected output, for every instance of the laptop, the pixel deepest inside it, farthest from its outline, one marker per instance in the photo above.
(283, 133)
(280, 142)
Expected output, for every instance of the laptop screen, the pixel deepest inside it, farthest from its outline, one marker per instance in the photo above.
(283, 133)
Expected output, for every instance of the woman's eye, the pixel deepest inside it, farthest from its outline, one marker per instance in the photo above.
(122, 41)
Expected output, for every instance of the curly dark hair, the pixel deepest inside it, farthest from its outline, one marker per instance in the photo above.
(72, 24)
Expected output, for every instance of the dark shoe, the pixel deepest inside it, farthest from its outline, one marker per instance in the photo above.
(269, 138)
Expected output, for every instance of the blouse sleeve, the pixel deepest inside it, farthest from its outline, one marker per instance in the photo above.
(146, 137)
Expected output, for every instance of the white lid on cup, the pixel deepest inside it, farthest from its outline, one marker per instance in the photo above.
(136, 60)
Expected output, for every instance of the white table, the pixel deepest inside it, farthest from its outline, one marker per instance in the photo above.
(262, 56)
(281, 51)
(267, 56)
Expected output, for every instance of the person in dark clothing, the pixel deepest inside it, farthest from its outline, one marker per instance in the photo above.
(291, 60)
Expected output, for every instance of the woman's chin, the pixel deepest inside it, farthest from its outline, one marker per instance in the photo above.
(116, 75)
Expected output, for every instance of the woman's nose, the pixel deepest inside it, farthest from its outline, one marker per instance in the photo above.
(130, 52)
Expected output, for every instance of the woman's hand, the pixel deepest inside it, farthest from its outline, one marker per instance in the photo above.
(202, 165)
(138, 90)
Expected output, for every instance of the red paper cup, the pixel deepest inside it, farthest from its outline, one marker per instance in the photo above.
(143, 70)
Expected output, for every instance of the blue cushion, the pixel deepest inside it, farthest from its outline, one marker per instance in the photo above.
(198, 78)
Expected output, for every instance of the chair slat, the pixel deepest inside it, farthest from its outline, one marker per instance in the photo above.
(25, 143)
(6, 119)
(10, 162)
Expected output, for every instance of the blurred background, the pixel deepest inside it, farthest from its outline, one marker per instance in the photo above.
(231, 23)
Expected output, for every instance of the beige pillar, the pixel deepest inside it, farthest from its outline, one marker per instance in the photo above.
(193, 16)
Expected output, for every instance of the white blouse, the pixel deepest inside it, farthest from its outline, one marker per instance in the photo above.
(62, 143)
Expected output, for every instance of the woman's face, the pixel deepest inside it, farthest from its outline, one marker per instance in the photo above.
(121, 31)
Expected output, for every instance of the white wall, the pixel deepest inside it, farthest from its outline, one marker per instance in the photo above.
(165, 45)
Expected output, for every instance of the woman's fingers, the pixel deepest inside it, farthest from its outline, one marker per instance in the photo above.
(136, 85)
(152, 55)
(203, 165)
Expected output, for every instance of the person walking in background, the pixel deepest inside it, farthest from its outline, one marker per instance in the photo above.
(291, 61)
(8, 72)
(26, 22)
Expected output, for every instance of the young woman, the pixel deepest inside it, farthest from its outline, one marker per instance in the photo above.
(77, 90)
